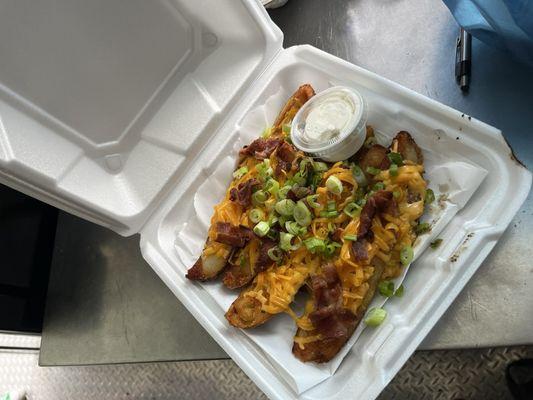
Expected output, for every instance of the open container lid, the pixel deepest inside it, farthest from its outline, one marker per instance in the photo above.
(104, 104)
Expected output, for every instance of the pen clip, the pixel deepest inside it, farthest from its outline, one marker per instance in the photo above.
(458, 47)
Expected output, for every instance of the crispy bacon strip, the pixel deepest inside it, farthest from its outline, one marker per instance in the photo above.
(235, 236)
(242, 194)
(334, 323)
(261, 148)
(286, 153)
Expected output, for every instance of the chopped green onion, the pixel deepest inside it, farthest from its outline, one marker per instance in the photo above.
(299, 191)
(303, 166)
(399, 291)
(266, 132)
(298, 179)
(294, 228)
(240, 172)
(430, 197)
(386, 288)
(272, 186)
(320, 166)
(275, 254)
(396, 194)
(330, 249)
(315, 245)
(256, 215)
(373, 170)
(282, 220)
(334, 185)
(302, 215)
(359, 175)
(285, 207)
(375, 316)
(352, 209)
(406, 255)
(285, 241)
(332, 206)
(395, 158)
(264, 169)
(436, 243)
(261, 229)
(393, 170)
(353, 238)
(259, 197)
(286, 128)
(379, 186)
(423, 227)
(282, 193)
(272, 219)
(329, 214)
(311, 200)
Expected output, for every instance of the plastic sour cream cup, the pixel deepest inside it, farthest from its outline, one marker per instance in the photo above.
(331, 125)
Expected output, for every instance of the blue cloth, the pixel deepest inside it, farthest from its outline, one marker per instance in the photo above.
(506, 24)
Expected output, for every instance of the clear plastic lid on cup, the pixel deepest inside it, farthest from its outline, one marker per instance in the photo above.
(331, 125)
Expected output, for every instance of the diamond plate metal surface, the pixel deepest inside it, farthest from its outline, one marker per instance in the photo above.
(449, 374)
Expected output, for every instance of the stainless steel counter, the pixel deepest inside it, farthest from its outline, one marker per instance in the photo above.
(106, 305)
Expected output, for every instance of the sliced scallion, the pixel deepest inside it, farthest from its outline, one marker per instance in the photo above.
(256, 215)
(429, 197)
(359, 175)
(301, 214)
(399, 291)
(275, 254)
(386, 288)
(311, 200)
(422, 227)
(396, 194)
(320, 166)
(395, 158)
(285, 207)
(261, 229)
(373, 170)
(282, 193)
(393, 170)
(272, 186)
(379, 186)
(315, 245)
(406, 255)
(259, 197)
(240, 172)
(375, 317)
(286, 128)
(353, 238)
(352, 209)
(334, 185)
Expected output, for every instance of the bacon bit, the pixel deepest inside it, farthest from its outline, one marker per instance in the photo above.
(286, 154)
(263, 260)
(336, 235)
(378, 202)
(330, 318)
(242, 194)
(261, 148)
(299, 193)
(236, 236)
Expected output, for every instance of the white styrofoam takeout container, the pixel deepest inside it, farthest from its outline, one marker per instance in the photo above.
(116, 112)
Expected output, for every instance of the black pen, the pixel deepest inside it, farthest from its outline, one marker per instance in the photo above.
(463, 57)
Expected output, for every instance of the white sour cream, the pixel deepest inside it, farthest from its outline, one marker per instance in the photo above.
(329, 118)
